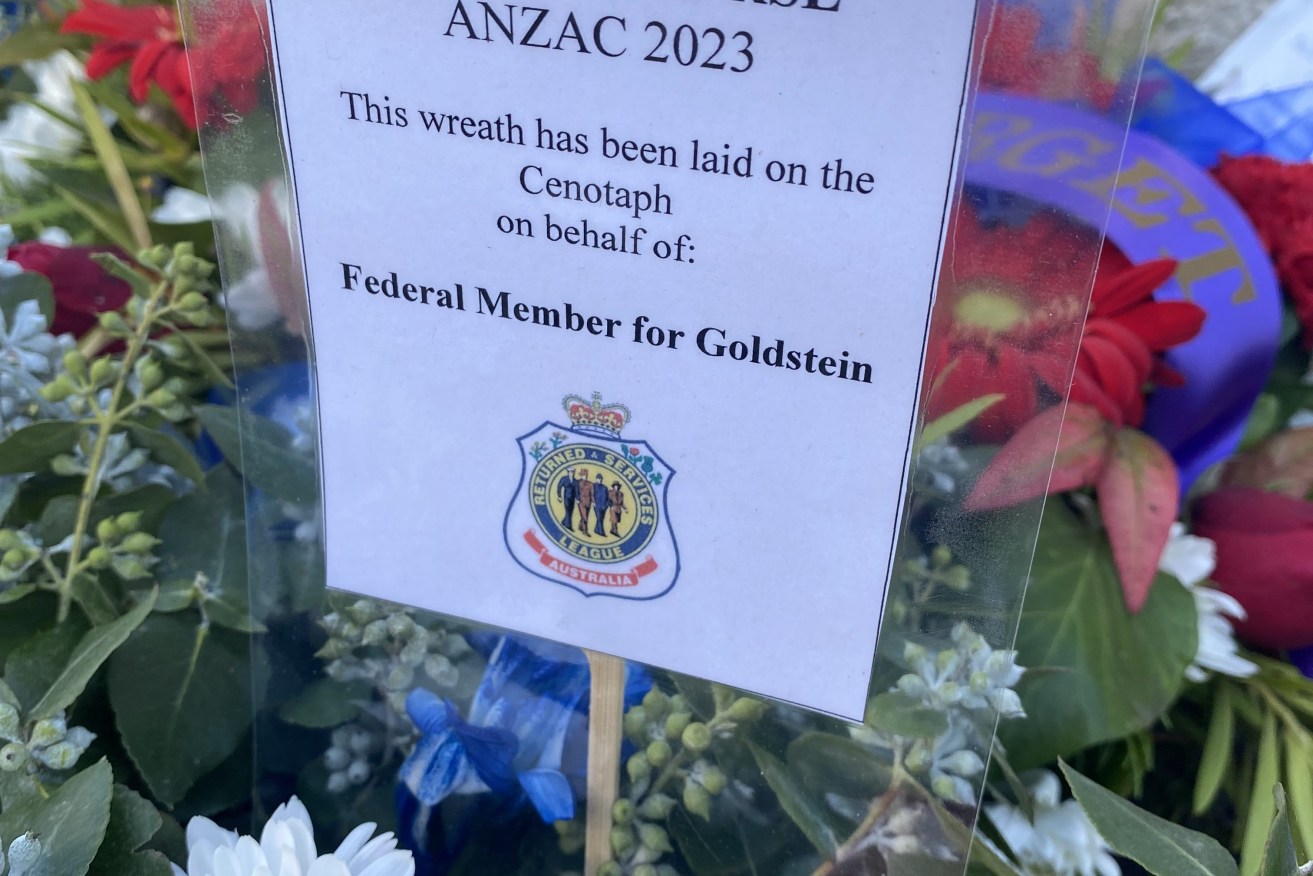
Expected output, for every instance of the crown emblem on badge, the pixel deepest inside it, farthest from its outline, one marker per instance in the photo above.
(595, 418)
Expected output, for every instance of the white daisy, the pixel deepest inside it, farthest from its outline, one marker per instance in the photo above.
(287, 848)
(1191, 559)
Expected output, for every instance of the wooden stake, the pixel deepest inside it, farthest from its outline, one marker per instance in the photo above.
(606, 706)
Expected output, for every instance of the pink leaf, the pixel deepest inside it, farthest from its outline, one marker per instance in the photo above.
(1138, 498)
(1022, 469)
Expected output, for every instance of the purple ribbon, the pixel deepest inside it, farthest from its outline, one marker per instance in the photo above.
(1162, 206)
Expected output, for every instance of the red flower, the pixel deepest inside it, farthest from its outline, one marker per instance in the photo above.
(146, 36)
(1014, 62)
(81, 287)
(1265, 560)
(1124, 335)
(1279, 200)
(1013, 303)
(231, 59)
(1017, 297)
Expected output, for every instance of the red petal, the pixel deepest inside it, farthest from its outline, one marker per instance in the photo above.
(134, 23)
(1114, 293)
(143, 69)
(107, 56)
(1138, 493)
(1026, 469)
(1165, 324)
(1112, 370)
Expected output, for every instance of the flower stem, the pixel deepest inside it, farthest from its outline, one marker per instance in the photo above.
(105, 424)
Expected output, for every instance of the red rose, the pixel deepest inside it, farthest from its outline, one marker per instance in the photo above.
(1278, 198)
(82, 288)
(1265, 560)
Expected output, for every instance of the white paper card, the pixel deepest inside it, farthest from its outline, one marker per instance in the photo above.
(723, 217)
(1275, 53)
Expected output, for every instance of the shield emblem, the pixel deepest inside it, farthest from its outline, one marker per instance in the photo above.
(590, 512)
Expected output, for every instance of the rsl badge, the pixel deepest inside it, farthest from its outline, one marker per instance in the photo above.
(590, 512)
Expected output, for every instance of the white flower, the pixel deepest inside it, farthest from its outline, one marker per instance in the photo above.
(182, 207)
(1060, 842)
(31, 132)
(1191, 559)
(287, 848)
(971, 675)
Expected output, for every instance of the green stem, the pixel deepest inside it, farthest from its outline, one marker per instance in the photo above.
(105, 424)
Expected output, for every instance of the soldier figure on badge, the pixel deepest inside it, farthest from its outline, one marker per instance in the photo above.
(616, 501)
(567, 490)
(601, 501)
(585, 487)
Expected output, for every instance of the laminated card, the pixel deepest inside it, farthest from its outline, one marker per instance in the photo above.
(619, 312)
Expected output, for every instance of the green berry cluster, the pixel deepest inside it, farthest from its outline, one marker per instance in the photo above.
(123, 547)
(674, 757)
(19, 551)
(48, 743)
(385, 646)
(922, 578)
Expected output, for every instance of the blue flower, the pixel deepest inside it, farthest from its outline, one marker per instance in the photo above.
(524, 738)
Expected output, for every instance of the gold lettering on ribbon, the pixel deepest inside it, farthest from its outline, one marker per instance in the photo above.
(1085, 149)
(990, 128)
(1216, 261)
(1148, 187)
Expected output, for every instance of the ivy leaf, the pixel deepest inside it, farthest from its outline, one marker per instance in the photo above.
(324, 704)
(1026, 468)
(33, 666)
(31, 448)
(262, 452)
(91, 653)
(807, 813)
(1157, 845)
(132, 823)
(1138, 492)
(205, 533)
(183, 696)
(1109, 673)
(71, 822)
(167, 451)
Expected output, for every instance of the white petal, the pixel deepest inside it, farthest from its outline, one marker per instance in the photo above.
(182, 207)
(355, 841)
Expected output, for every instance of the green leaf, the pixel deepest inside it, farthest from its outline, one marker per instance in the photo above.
(183, 697)
(205, 534)
(1264, 419)
(902, 715)
(956, 419)
(167, 451)
(71, 822)
(1157, 845)
(828, 764)
(206, 362)
(1217, 753)
(263, 452)
(33, 666)
(90, 654)
(324, 704)
(1115, 673)
(31, 448)
(1280, 857)
(27, 286)
(1262, 804)
(132, 823)
(1299, 778)
(34, 42)
(807, 813)
(105, 221)
(111, 161)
